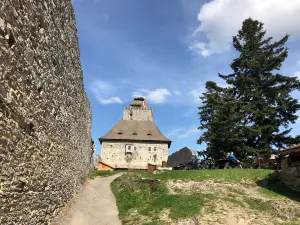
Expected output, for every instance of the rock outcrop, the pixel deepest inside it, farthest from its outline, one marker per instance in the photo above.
(45, 115)
(182, 156)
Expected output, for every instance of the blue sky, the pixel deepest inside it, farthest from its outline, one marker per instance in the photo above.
(166, 50)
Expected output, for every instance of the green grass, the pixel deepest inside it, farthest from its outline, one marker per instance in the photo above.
(237, 191)
(133, 195)
(270, 194)
(234, 201)
(277, 188)
(140, 203)
(97, 173)
(258, 204)
(231, 175)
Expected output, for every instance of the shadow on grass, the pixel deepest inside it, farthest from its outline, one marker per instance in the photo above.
(273, 184)
(97, 173)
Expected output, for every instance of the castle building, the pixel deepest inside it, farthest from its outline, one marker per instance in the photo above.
(135, 141)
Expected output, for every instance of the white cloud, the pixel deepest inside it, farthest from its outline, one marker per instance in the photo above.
(196, 93)
(183, 132)
(221, 19)
(176, 92)
(103, 86)
(156, 96)
(297, 74)
(102, 90)
(111, 100)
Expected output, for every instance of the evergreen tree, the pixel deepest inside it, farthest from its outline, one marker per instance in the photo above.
(219, 121)
(263, 96)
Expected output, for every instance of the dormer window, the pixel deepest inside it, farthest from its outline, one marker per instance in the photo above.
(134, 133)
(120, 132)
(149, 133)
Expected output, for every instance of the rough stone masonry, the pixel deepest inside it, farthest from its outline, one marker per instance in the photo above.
(45, 116)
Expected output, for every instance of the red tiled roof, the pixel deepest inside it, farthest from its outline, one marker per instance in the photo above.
(106, 164)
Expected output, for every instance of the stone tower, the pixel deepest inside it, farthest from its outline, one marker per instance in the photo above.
(138, 110)
(135, 140)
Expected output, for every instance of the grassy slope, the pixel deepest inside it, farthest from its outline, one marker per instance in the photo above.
(136, 200)
(232, 175)
(139, 205)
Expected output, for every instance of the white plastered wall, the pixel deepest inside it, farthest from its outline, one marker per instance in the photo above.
(118, 155)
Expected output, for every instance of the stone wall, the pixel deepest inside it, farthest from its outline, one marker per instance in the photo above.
(290, 175)
(45, 118)
(117, 154)
(136, 113)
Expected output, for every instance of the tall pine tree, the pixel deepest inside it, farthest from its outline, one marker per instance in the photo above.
(262, 94)
(219, 121)
(252, 117)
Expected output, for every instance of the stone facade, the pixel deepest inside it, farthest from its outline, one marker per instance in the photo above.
(118, 155)
(140, 114)
(45, 116)
(290, 173)
(291, 177)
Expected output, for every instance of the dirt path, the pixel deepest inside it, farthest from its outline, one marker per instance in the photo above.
(95, 205)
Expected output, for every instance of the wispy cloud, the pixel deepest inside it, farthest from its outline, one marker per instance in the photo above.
(183, 132)
(102, 91)
(140, 70)
(297, 74)
(221, 19)
(156, 96)
(111, 100)
(176, 92)
(197, 92)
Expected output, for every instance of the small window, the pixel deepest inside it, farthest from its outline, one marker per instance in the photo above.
(134, 148)
(134, 133)
(129, 147)
(154, 148)
(149, 148)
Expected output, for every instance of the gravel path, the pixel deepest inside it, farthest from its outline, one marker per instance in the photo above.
(95, 205)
